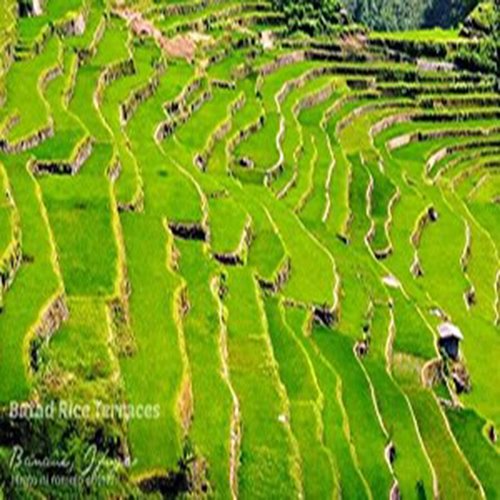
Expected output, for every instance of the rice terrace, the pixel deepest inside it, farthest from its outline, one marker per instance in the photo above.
(250, 249)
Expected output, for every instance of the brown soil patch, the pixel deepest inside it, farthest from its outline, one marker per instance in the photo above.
(354, 42)
(179, 46)
(182, 46)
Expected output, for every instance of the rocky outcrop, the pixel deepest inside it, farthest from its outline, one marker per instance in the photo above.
(390, 453)
(30, 8)
(182, 9)
(467, 253)
(9, 123)
(431, 65)
(9, 264)
(395, 493)
(50, 75)
(416, 267)
(460, 378)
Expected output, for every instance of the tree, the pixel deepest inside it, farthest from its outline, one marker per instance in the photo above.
(482, 24)
(391, 15)
(314, 17)
(447, 13)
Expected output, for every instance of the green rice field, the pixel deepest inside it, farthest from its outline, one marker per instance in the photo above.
(242, 263)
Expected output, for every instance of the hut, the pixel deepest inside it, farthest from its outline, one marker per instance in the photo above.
(30, 8)
(449, 339)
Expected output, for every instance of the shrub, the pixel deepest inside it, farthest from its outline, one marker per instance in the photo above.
(479, 58)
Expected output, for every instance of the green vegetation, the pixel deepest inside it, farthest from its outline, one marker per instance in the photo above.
(231, 236)
(313, 17)
(410, 14)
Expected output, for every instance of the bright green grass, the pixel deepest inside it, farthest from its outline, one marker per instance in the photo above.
(265, 158)
(482, 265)
(266, 253)
(293, 143)
(68, 129)
(35, 284)
(469, 430)
(411, 466)
(430, 35)
(174, 22)
(113, 45)
(313, 275)
(80, 216)
(115, 94)
(315, 206)
(35, 116)
(228, 220)
(367, 435)
(6, 214)
(194, 135)
(153, 375)
(450, 228)
(203, 336)
(80, 350)
(266, 449)
(314, 418)
(82, 103)
(300, 382)
(336, 431)
(453, 474)
(54, 10)
(164, 183)
(152, 307)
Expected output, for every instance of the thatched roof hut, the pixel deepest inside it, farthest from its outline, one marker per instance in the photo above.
(449, 339)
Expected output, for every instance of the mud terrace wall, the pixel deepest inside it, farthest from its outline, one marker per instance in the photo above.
(62, 167)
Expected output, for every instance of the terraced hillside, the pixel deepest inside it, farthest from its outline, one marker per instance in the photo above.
(241, 260)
